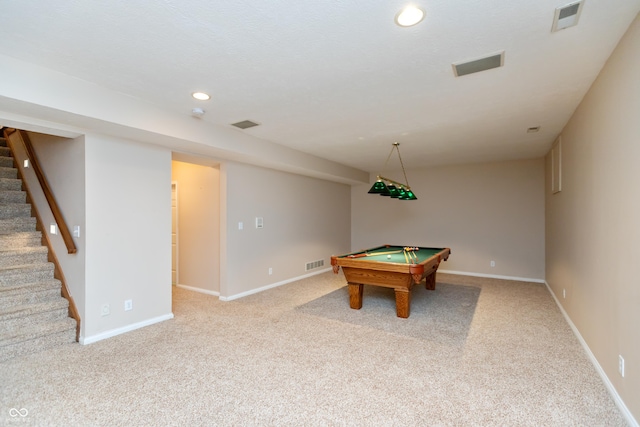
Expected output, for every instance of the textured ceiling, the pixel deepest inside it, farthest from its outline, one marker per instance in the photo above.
(335, 78)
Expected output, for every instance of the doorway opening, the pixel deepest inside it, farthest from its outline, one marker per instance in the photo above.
(196, 228)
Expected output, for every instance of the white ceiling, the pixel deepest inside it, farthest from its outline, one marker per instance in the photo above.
(337, 78)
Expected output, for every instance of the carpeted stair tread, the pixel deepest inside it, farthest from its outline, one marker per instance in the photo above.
(31, 293)
(14, 319)
(28, 309)
(38, 338)
(17, 225)
(21, 239)
(10, 172)
(6, 162)
(23, 256)
(20, 274)
(29, 287)
(13, 196)
(23, 250)
(15, 210)
(4, 150)
(9, 184)
(38, 330)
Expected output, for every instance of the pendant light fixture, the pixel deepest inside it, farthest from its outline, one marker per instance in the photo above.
(394, 189)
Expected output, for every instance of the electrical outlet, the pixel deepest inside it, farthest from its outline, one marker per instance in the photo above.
(128, 305)
(270, 271)
(106, 310)
(493, 263)
(621, 365)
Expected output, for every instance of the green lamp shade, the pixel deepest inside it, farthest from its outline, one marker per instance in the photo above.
(409, 195)
(402, 193)
(378, 188)
(393, 190)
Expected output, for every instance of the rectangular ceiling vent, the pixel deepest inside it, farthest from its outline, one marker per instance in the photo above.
(245, 124)
(567, 16)
(477, 65)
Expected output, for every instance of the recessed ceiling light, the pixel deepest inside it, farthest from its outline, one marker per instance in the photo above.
(409, 16)
(201, 96)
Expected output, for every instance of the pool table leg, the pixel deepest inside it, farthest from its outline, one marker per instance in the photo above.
(355, 295)
(403, 300)
(430, 281)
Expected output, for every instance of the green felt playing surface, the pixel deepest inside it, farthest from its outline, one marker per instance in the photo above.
(422, 253)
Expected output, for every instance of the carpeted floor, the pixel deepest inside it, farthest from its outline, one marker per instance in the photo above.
(475, 351)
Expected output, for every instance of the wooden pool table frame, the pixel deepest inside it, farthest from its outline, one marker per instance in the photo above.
(401, 277)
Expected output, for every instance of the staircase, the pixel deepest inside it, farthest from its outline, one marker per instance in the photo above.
(33, 314)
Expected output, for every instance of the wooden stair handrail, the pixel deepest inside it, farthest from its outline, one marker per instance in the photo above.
(55, 210)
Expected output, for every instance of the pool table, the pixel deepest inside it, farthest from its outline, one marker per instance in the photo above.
(390, 266)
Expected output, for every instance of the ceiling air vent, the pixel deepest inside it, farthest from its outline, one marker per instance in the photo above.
(245, 124)
(567, 16)
(477, 65)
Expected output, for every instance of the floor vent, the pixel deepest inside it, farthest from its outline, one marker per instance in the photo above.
(567, 16)
(314, 264)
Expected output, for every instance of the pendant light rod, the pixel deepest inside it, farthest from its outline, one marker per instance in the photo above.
(384, 168)
(380, 177)
(397, 146)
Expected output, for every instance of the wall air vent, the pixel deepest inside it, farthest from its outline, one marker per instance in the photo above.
(245, 124)
(477, 65)
(314, 264)
(567, 16)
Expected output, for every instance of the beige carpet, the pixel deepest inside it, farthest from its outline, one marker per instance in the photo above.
(474, 352)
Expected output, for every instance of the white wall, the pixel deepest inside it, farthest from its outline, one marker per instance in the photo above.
(593, 236)
(128, 235)
(305, 219)
(483, 212)
(198, 225)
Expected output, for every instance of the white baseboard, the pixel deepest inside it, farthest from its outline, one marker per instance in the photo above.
(202, 291)
(113, 332)
(492, 276)
(284, 282)
(612, 390)
(273, 285)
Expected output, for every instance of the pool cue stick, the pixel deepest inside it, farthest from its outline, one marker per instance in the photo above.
(406, 259)
(372, 254)
(412, 254)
